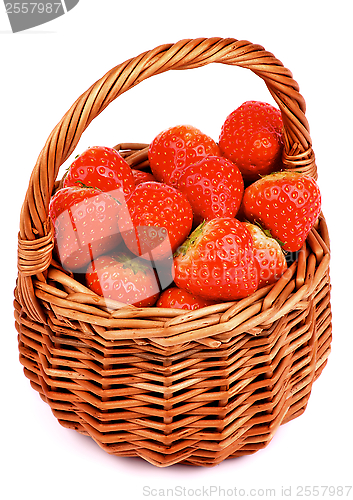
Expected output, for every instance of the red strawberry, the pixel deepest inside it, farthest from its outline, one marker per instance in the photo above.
(102, 168)
(124, 278)
(286, 203)
(158, 220)
(268, 254)
(214, 187)
(86, 225)
(176, 298)
(141, 176)
(217, 261)
(251, 137)
(176, 148)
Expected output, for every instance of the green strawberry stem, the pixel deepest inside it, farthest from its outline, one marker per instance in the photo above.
(82, 184)
(271, 173)
(268, 233)
(135, 264)
(97, 189)
(190, 241)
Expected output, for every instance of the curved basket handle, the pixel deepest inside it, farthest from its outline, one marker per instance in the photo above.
(36, 233)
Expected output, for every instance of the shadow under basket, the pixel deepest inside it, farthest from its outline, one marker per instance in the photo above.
(172, 386)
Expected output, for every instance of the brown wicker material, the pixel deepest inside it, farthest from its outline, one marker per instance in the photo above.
(167, 385)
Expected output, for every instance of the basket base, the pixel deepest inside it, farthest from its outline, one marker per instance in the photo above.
(252, 431)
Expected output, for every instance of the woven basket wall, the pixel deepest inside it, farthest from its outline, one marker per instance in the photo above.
(167, 385)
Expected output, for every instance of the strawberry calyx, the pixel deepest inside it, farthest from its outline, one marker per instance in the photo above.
(83, 185)
(268, 233)
(261, 176)
(134, 264)
(190, 241)
(128, 262)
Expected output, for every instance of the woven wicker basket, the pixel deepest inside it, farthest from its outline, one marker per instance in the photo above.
(167, 385)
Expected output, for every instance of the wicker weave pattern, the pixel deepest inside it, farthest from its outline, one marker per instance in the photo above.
(167, 385)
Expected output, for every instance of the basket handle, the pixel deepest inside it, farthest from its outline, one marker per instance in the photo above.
(36, 233)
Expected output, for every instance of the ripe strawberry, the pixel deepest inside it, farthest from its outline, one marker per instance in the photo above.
(176, 148)
(124, 278)
(102, 168)
(286, 203)
(86, 225)
(214, 187)
(217, 261)
(268, 254)
(158, 220)
(251, 137)
(141, 176)
(176, 298)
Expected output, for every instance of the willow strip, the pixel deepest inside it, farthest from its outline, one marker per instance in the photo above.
(103, 321)
(243, 303)
(46, 287)
(106, 303)
(209, 342)
(65, 303)
(324, 231)
(283, 296)
(198, 313)
(144, 312)
(301, 269)
(278, 287)
(289, 304)
(315, 245)
(320, 271)
(205, 321)
(211, 330)
(310, 269)
(320, 240)
(64, 279)
(251, 326)
(165, 332)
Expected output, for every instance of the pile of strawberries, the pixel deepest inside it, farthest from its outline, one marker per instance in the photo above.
(206, 223)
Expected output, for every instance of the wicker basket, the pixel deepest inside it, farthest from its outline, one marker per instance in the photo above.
(167, 385)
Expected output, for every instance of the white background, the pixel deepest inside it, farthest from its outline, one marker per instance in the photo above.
(42, 72)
